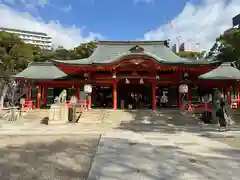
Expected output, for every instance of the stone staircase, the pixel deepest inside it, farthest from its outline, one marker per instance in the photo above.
(34, 116)
(160, 117)
(104, 117)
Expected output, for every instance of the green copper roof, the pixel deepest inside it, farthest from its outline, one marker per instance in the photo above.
(41, 71)
(111, 51)
(223, 72)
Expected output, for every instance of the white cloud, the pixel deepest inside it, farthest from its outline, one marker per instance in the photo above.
(199, 23)
(33, 5)
(67, 37)
(144, 1)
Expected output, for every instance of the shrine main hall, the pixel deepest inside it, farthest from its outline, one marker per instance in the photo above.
(118, 70)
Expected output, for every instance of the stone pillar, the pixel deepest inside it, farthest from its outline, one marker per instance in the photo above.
(154, 94)
(215, 104)
(115, 94)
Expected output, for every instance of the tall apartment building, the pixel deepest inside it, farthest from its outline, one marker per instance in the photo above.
(190, 47)
(236, 20)
(175, 48)
(187, 47)
(36, 38)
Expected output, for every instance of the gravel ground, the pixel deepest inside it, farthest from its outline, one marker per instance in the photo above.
(233, 141)
(46, 157)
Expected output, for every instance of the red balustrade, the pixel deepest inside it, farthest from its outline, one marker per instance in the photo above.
(80, 104)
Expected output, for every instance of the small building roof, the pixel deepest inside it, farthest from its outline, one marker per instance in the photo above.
(108, 52)
(223, 72)
(41, 71)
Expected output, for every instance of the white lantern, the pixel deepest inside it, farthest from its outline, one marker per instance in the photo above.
(183, 88)
(87, 88)
(114, 76)
(141, 81)
(127, 81)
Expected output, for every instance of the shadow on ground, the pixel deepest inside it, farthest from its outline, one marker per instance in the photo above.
(167, 121)
(122, 159)
(46, 157)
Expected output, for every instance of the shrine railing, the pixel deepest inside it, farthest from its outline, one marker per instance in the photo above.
(82, 105)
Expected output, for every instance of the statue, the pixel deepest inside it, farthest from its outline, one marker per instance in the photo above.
(56, 100)
(63, 96)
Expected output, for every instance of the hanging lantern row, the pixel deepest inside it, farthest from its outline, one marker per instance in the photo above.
(128, 82)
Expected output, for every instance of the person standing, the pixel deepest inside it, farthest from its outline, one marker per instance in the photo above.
(164, 100)
(221, 114)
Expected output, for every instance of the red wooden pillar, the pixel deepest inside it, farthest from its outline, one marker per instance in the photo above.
(115, 94)
(77, 92)
(89, 98)
(44, 95)
(237, 95)
(38, 96)
(228, 95)
(28, 92)
(154, 94)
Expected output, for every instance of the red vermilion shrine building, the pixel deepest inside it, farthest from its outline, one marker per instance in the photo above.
(118, 69)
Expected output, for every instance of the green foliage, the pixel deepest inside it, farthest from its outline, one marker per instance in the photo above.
(15, 55)
(192, 55)
(227, 46)
(82, 51)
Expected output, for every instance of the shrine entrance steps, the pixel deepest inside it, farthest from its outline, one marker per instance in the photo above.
(108, 119)
(33, 116)
(116, 118)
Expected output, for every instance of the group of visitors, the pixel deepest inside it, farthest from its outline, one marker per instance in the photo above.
(135, 101)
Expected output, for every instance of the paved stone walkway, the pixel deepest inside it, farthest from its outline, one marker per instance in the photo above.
(125, 155)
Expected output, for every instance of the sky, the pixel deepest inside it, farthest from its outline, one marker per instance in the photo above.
(71, 22)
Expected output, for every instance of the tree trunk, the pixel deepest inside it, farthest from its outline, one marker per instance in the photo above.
(3, 94)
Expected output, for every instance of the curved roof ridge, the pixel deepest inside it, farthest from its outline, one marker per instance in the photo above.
(106, 42)
(125, 54)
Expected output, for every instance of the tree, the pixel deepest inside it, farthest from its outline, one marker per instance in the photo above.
(191, 55)
(15, 56)
(86, 49)
(227, 47)
(82, 51)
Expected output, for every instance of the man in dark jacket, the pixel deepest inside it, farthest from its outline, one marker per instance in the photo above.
(221, 115)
